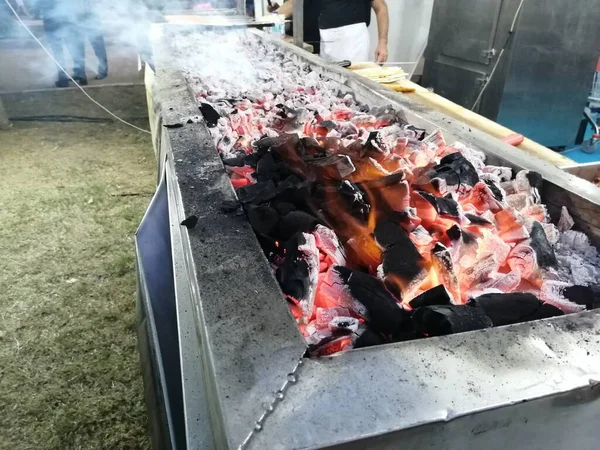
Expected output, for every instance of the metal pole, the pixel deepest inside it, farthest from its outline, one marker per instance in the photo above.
(259, 9)
(241, 7)
(4, 123)
(299, 23)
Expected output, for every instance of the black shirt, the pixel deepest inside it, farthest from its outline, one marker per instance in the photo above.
(339, 13)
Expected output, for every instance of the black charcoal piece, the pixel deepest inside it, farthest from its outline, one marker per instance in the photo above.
(400, 256)
(434, 296)
(263, 219)
(505, 309)
(535, 180)
(545, 312)
(441, 320)
(447, 207)
(543, 250)
(266, 168)
(329, 124)
(419, 131)
(455, 170)
(385, 315)
(495, 190)
(257, 193)
(283, 207)
(296, 221)
(455, 233)
(477, 220)
(229, 206)
(293, 274)
(584, 295)
(236, 161)
(369, 338)
(190, 222)
(173, 125)
(211, 116)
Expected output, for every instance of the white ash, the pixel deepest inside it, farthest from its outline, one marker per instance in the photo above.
(578, 260)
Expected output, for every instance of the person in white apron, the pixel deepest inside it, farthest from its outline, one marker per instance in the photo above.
(344, 31)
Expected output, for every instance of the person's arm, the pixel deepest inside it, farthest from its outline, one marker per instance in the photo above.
(383, 26)
(287, 9)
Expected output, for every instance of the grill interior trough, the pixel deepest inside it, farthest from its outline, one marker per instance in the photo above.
(256, 388)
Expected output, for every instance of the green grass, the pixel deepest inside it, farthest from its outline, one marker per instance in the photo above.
(69, 368)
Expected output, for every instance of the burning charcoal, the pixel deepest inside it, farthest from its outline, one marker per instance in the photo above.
(406, 218)
(331, 346)
(298, 274)
(506, 309)
(353, 199)
(483, 199)
(296, 221)
(478, 220)
(529, 182)
(553, 292)
(565, 222)
(419, 132)
(435, 296)
(383, 312)
(519, 201)
(589, 296)
(444, 267)
(480, 271)
(263, 219)
(445, 207)
(334, 167)
(333, 292)
(390, 191)
(523, 259)
(491, 243)
(368, 170)
(375, 146)
(210, 114)
(453, 171)
(543, 250)
(503, 173)
(420, 236)
(328, 242)
(441, 320)
(341, 323)
(369, 338)
(503, 282)
(257, 193)
(402, 264)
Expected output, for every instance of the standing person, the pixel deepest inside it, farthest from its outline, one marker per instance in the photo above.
(311, 19)
(90, 26)
(59, 18)
(344, 34)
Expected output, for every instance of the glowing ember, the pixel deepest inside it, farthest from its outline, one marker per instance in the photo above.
(365, 217)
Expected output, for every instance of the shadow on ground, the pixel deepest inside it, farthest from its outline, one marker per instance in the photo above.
(71, 198)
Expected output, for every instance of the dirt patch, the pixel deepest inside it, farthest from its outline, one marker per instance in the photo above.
(69, 368)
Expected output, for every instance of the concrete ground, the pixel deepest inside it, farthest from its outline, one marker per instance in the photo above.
(71, 195)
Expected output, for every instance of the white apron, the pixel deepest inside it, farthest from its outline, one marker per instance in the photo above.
(350, 42)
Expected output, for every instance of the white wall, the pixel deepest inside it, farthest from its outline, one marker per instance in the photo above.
(409, 29)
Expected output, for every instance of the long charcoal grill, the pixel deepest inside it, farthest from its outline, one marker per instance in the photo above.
(531, 385)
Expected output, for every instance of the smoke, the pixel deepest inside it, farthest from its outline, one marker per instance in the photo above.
(124, 24)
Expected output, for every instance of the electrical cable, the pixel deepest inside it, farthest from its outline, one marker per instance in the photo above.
(506, 42)
(16, 14)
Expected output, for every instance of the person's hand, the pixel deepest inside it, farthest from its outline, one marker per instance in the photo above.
(381, 53)
(273, 6)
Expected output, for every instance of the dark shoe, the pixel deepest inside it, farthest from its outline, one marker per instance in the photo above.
(62, 83)
(101, 75)
(82, 81)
